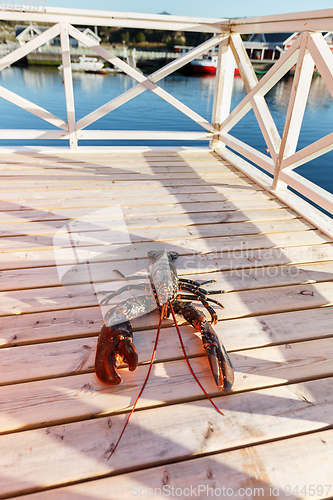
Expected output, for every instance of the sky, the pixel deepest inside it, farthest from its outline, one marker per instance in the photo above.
(195, 8)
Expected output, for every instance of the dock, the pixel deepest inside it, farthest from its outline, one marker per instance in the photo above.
(72, 215)
(58, 422)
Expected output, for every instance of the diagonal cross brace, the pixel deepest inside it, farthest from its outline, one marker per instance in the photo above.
(280, 68)
(21, 101)
(144, 83)
(323, 58)
(33, 44)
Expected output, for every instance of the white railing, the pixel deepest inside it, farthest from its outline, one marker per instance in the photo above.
(117, 51)
(308, 50)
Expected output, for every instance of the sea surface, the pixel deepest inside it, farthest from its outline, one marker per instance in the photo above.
(44, 86)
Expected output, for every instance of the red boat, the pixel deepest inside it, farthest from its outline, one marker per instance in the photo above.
(207, 65)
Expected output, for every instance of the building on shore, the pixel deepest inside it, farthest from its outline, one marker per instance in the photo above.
(266, 48)
(26, 33)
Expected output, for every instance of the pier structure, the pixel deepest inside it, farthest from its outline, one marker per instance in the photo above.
(235, 215)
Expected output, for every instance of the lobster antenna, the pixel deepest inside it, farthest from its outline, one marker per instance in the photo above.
(145, 382)
(189, 364)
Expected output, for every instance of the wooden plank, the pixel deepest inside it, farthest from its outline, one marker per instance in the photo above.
(36, 251)
(235, 270)
(240, 333)
(255, 367)
(200, 160)
(38, 327)
(29, 459)
(233, 472)
(98, 238)
(32, 404)
(103, 184)
(86, 168)
(85, 165)
(95, 227)
(84, 172)
(92, 199)
(237, 304)
(110, 154)
(135, 210)
(112, 191)
(96, 178)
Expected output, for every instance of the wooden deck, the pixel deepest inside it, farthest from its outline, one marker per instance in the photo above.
(58, 422)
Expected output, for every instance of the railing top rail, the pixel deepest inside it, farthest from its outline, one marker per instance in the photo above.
(114, 19)
(132, 15)
(317, 20)
(294, 16)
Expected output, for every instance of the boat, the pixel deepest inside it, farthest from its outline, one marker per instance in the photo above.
(87, 64)
(207, 64)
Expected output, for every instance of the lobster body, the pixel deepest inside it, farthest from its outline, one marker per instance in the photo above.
(163, 277)
(115, 341)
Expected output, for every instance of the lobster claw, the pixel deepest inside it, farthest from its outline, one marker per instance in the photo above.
(114, 345)
(218, 358)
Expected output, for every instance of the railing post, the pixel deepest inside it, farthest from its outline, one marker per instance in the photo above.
(296, 107)
(258, 103)
(68, 83)
(223, 89)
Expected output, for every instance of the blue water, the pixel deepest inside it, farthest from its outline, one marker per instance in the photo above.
(44, 86)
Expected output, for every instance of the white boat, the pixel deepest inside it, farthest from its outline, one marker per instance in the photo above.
(87, 64)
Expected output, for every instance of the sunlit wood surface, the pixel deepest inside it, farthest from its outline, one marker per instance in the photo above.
(58, 422)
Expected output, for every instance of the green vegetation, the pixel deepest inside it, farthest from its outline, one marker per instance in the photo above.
(150, 38)
(140, 38)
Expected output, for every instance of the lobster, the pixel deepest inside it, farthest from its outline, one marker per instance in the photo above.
(164, 291)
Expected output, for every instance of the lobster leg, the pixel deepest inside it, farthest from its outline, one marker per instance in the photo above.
(197, 285)
(114, 345)
(126, 288)
(205, 304)
(218, 358)
(199, 293)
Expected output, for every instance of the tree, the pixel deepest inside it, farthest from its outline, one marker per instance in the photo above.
(178, 41)
(140, 37)
(125, 37)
